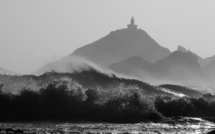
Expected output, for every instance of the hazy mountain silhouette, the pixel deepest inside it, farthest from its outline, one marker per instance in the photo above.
(131, 51)
(202, 61)
(180, 65)
(176, 66)
(209, 70)
(117, 46)
(122, 44)
(4, 71)
(207, 65)
(206, 61)
(137, 67)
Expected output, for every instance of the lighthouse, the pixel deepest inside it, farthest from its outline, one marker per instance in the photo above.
(132, 25)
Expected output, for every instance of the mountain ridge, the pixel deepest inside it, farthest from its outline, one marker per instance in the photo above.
(131, 51)
(176, 66)
(116, 46)
(128, 42)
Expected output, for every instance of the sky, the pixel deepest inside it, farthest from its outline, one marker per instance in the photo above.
(35, 32)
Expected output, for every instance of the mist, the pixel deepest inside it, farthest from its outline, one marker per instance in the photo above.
(34, 33)
(99, 97)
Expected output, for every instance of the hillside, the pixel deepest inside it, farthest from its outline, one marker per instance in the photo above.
(176, 66)
(115, 47)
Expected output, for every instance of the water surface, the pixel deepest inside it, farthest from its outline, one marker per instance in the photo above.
(179, 126)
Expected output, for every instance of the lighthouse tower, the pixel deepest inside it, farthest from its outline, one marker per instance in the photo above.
(132, 25)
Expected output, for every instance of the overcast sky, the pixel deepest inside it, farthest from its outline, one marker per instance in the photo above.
(34, 32)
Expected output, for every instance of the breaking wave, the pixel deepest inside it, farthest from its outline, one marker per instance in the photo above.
(92, 96)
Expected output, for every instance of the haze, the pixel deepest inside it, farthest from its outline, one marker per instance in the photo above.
(33, 33)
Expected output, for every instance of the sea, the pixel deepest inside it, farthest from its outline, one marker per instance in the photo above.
(179, 125)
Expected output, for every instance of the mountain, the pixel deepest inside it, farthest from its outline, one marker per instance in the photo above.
(202, 61)
(4, 71)
(209, 70)
(176, 66)
(207, 65)
(135, 66)
(179, 58)
(117, 46)
(207, 60)
(122, 44)
(180, 66)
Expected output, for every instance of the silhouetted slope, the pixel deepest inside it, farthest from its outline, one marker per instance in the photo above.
(205, 61)
(115, 47)
(176, 66)
(210, 66)
(209, 70)
(202, 61)
(122, 44)
(135, 66)
(182, 89)
(180, 65)
(178, 58)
